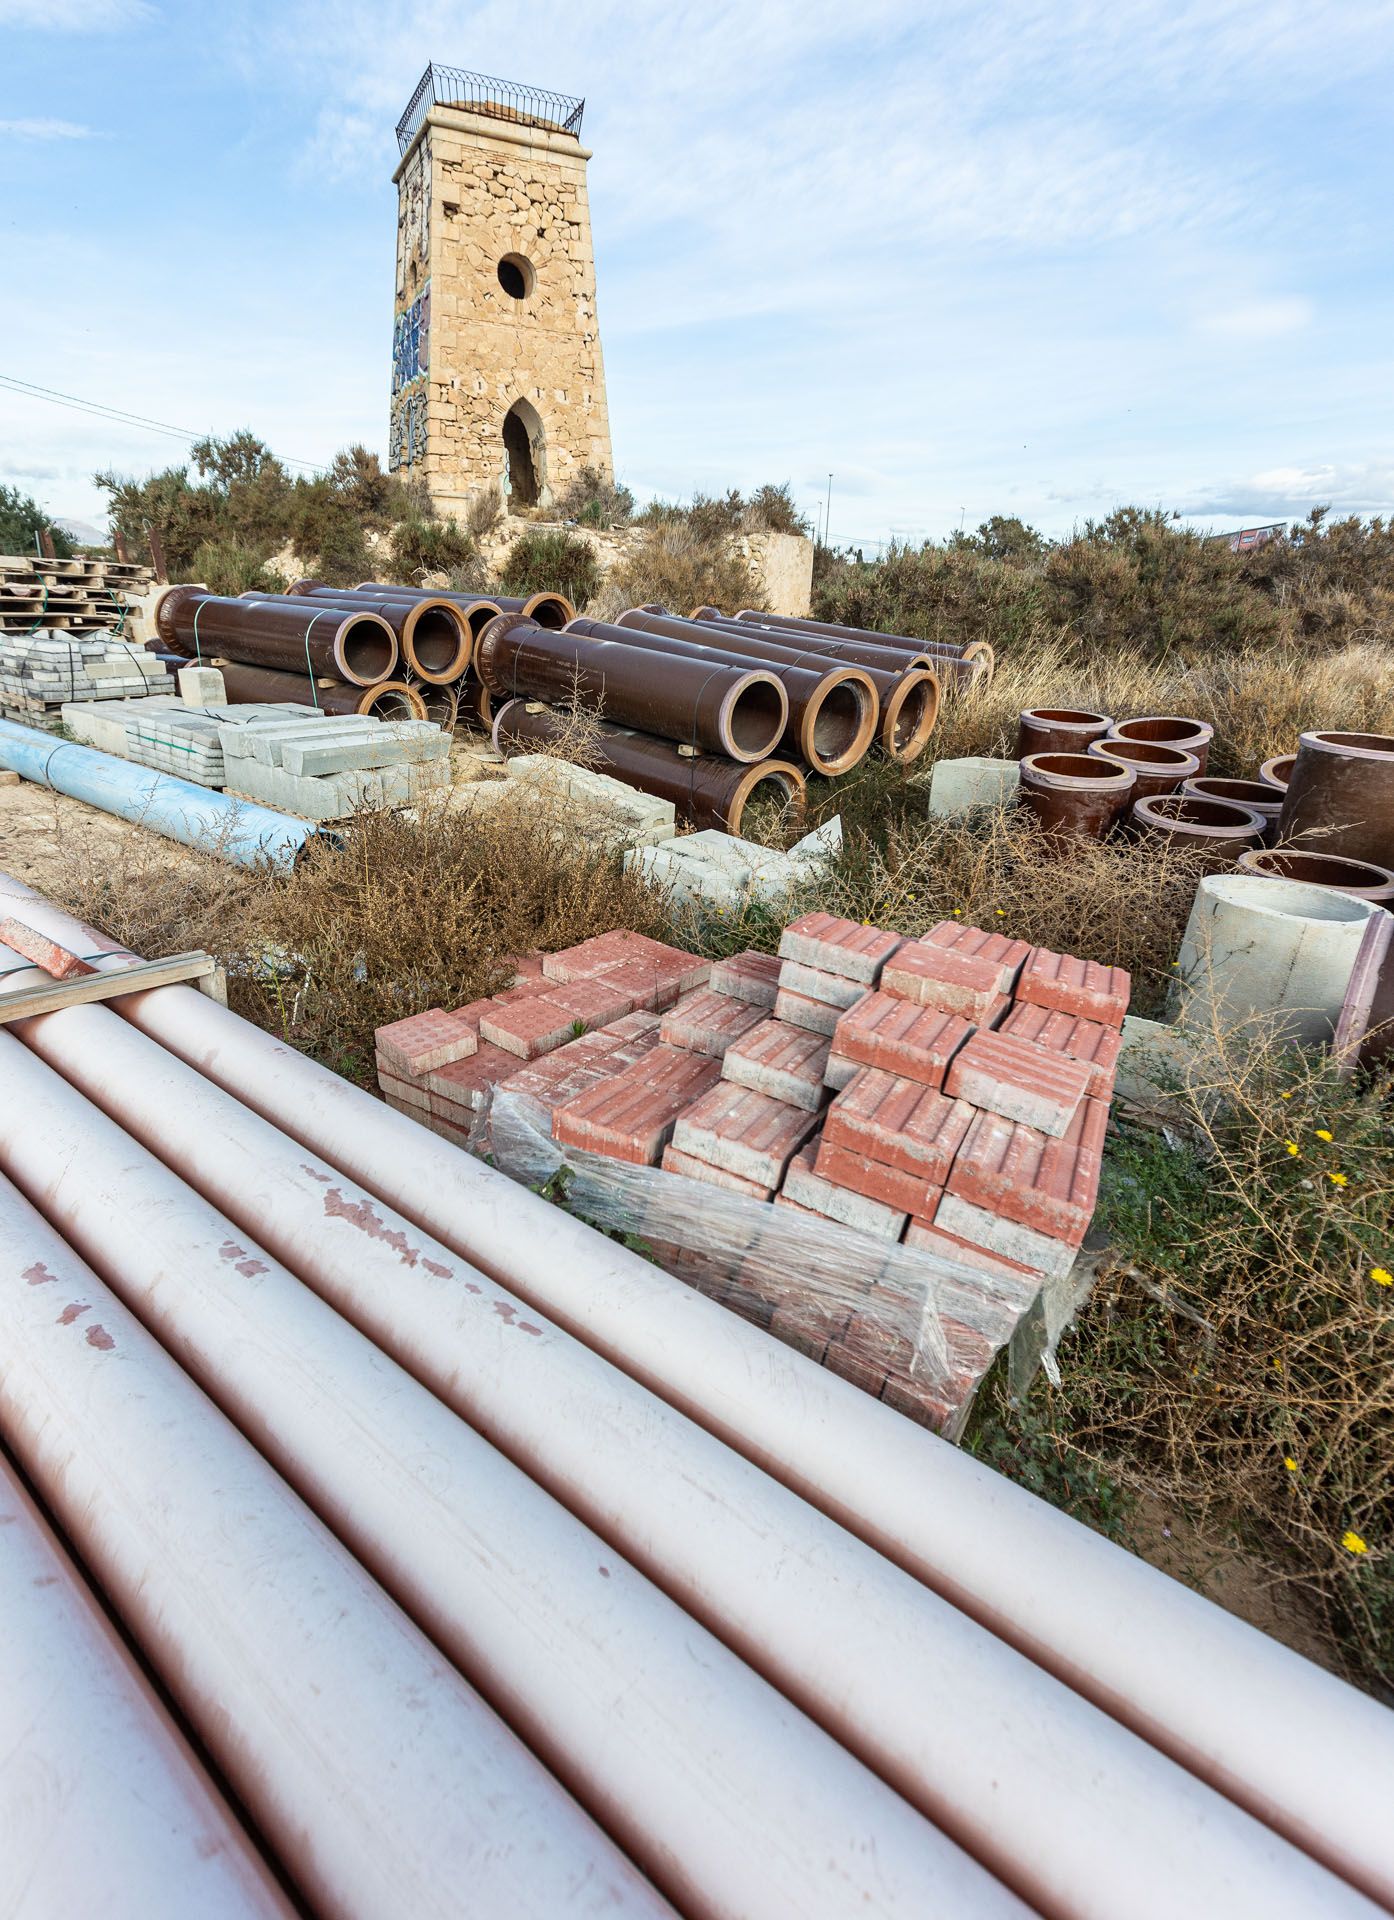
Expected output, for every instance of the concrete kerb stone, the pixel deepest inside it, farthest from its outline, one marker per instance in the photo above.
(956, 787)
(395, 743)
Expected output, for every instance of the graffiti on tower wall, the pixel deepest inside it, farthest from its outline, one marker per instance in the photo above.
(411, 353)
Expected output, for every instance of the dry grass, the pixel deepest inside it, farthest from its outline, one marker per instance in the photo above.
(680, 565)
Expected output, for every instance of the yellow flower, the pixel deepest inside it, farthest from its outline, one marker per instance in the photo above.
(1382, 1277)
(1285, 1096)
(1001, 913)
(1337, 1179)
(1293, 1148)
(958, 913)
(1289, 1463)
(1353, 1543)
(1322, 1134)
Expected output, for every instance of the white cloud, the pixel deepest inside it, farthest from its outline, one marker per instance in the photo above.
(1259, 319)
(1292, 492)
(75, 16)
(43, 130)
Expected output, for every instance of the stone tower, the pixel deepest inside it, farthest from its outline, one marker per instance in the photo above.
(497, 379)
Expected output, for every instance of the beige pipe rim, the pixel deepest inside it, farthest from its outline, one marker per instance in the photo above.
(454, 619)
(909, 717)
(843, 682)
(786, 776)
(744, 713)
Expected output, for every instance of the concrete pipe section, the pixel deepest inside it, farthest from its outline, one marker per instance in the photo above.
(833, 712)
(295, 635)
(103, 1808)
(1169, 730)
(1059, 730)
(433, 634)
(1359, 878)
(1074, 795)
(1278, 949)
(1278, 771)
(388, 700)
(1302, 1751)
(735, 710)
(1256, 795)
(376, 1774)
(1156, 769)
(1340, 798)
(1219, 828)
(707, 789)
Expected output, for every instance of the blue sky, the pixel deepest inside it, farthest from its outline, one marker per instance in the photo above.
(973, 259)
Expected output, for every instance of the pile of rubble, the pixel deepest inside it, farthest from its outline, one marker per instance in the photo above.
(946, 1099)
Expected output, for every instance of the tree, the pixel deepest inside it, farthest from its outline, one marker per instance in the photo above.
(21, 518)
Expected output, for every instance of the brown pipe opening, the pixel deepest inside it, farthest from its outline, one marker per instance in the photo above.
(1083, 767)
(1186, 810)
(753, 716)
(365, 648)
(909, 716)
(437, 642)
(778, 781)
(839, 723)
(1276, 773)
(392, 700)
(1381, 744)
(1147, 754)
(1360, 877)
(549, 610)
(1248, 793)
(441, 704)
(1067, 717)
(1168, 729)
(480, 614)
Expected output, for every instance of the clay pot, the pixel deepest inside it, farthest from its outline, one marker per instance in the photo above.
(1360, 878)
(1156, 769)
(1073, 795)
(1340, 798)
(1216, 827)
(1058, 730)
(1278, 771)
(1263, 800)
(1169, 730)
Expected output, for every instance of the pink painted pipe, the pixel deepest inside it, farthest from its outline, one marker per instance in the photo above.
(1295, 1746)
(103, 1808)
(722, 1791)
(710, 1528)
(381, 1780)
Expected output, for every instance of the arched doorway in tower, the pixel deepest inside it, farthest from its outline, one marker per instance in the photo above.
(525, 455)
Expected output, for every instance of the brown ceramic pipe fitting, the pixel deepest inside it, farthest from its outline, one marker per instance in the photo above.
(1075, 794)
(1216, 827)
(388, 700)
(434, 634)
(707, 791)
(973, 660)
(1360, 878)
(1278, 771)
(1169, 730)
(1156, 769)
(1256, 795)
(1340, 798)
(737, 710)
(1059, 730)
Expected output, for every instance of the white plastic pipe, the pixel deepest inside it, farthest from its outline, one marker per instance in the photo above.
(715, 1531)
(1288, 1741)
(384, 1783)
(725, 1793)
(103, 1808)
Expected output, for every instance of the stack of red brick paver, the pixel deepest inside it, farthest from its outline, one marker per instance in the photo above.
(947, 1095)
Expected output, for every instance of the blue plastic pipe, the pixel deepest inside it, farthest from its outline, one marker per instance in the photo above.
(236, 830)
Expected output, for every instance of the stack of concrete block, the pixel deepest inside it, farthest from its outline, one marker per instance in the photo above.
(326, 767)
(165, 732)
(576, 1017)
(616, 812)
(41, 672)
(719, 870)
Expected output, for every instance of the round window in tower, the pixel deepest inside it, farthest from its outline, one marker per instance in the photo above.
(516, 276)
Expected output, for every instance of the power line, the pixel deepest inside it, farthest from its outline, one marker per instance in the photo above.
(52, 397)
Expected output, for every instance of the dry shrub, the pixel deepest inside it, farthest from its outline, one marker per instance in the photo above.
(551, 560)
(1237, 1358)
(682, 566)
(406, 911)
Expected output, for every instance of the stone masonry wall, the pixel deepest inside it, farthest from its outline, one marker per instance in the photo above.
(472, 192)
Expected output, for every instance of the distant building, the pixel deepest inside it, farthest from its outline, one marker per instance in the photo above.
(497, 380)
(1247, 537)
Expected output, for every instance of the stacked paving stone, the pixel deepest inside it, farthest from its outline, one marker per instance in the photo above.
(40, 672)
(947, 1095)
(328, 766)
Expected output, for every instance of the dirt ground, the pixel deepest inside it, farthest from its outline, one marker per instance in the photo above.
(43, 833)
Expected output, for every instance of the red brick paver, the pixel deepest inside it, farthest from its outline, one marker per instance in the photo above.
(886, 1031)
(833, 945)
(1081, 987)
(708, 1022)
(425, 1040)
(748, 976)
(1023, 1175)
(746, 1132)
(816, 1016)
(778, 1059)
(631, 1115)
(675, 1161)
(1019, 1080)
(899, 1122)
(1094, 1045)
(845, 1167)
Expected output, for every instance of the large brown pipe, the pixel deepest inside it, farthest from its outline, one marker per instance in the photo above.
(296, 635)
(833, 709)
(972, 659)
(478, 612)
(739, 711)
(432, 632)
(908, 694)
(442, 704)
(547, 609)
(388, 700)
(707, 791)
(1340, 798)
(865, 652)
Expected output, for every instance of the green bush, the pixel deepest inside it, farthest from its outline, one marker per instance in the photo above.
(421, 546)
(21, 518)
(226, 567)
(551, 562)
(594, 501)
